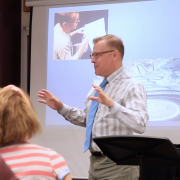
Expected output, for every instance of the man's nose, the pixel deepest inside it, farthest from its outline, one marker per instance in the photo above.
(93, 60)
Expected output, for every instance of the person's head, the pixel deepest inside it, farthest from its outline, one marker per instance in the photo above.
(107, 54)
(18, 121)
(68, 20)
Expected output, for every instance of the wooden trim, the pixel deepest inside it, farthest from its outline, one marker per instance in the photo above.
(1, 43)
(26, 9)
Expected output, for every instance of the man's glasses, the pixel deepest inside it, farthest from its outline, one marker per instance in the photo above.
(76, 21)
(97, 54)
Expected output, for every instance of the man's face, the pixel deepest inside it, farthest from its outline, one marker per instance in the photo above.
(75, 21)
(102, 61)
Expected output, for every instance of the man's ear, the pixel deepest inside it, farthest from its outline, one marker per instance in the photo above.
(116, 54)
(64, 23)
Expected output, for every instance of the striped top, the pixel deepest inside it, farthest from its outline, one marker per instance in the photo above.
(127, 116)
(32, 162)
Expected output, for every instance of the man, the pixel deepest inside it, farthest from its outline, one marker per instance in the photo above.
(122, 108)
(63, 49)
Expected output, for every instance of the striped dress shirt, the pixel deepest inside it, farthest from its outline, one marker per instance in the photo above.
(29, 161)
(127, 116)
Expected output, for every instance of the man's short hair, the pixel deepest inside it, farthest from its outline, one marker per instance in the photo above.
(112, 41)
(18, 121)
(65, 17)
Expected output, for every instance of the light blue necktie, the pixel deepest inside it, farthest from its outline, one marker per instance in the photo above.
(90, 118)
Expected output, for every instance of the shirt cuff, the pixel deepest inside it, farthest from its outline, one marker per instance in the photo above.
(63, 174)
(64, 110)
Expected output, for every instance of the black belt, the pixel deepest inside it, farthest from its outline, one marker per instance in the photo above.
(97, 154)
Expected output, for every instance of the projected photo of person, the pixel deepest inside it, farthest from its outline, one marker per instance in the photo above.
(74, 31)
(63, 49)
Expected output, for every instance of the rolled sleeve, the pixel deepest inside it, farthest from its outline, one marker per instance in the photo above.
(63, 174)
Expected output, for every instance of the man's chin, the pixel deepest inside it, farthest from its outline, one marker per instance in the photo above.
(97, 74)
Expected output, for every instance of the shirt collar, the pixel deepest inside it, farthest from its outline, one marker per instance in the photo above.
(61, 29)
(115, 74)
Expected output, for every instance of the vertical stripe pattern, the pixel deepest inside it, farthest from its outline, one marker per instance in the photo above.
(127, 116)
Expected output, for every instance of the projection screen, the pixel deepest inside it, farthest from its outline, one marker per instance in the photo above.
(150, 31)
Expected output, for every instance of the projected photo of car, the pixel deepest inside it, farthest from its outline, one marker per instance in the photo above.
(161, 79)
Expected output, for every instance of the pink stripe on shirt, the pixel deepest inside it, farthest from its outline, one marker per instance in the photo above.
(31, 163)
(35, 172)
(55, 156)
(26, 156)
(13, 149)
(56, 166)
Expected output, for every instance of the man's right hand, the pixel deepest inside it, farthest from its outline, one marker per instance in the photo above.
(49, 99)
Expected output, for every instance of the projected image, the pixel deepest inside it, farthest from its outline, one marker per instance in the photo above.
(161, 79)
(74, 32)
(152, 54)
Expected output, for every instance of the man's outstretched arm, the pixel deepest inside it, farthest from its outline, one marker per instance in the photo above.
(74, 115)
(49, 99)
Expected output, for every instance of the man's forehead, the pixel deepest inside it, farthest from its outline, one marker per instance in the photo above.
(75, 15)
(102, 44)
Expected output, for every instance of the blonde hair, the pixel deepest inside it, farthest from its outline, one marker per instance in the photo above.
(112, 41)
(18, 121)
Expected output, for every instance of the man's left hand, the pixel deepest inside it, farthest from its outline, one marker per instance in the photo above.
(102, 98)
